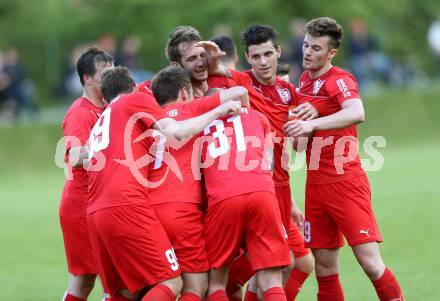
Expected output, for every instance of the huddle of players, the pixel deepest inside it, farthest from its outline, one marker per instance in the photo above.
(145, 241)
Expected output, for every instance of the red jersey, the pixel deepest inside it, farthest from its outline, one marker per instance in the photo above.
(78, 122)
(238, 79)
(235, 161)
(326, 93)
(177, 183)
(118, 174)
(145, 87)
(274, 102)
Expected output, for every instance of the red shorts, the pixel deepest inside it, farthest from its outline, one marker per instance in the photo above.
(252, 221)
(132, 248)
(294, 238)
(338, 209)
(183, 223)
(79, 253)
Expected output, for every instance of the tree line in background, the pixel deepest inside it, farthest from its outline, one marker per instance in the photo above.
(46, 31)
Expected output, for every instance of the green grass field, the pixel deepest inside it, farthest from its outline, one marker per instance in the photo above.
(405, 198)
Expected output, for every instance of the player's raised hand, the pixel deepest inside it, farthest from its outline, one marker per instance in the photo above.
(238, 93)
(213, 55)
(230, 107)
(211, 49)
(306, 111)
(297, 127)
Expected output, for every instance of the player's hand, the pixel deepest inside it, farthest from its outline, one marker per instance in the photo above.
(211, 49)
(297, 127)
(306, 111)
(213, 55)
(238, 93)
(298, 216)
(230, 107)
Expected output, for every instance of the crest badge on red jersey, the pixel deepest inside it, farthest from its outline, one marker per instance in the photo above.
(284, 94)
(317, 86)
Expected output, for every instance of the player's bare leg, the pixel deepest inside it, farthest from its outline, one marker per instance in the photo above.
(327, 274)
(252, 291)
(194, 284)
(288, 269)
(217, 280)
(386, 285)
(270, 282)
(305, 264)
(368, 256)
(123, 295)
(326, 261)
(80, 286)
(167, 290)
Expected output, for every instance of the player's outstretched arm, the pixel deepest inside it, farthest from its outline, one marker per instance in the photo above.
(182, 129)
(352, 113)
(77, 155)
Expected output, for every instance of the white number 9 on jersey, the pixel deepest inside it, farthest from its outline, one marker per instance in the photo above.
(172, 259)
(100, 134)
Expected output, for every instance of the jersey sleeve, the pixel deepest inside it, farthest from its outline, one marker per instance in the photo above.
(342, 88)
(202, 105)
(293, 94)
(142, 102)
(241, 78)
(78, 123)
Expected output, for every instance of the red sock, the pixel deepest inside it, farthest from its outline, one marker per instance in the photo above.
(250, 296)
(69, 297)
(387, 287)
(274, 294)
(239, 273)
(294, 284)
(159, 293)
(218, 295)
(329, 288)
(188, 296)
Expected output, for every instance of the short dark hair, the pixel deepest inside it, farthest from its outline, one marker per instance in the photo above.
(283, 68)
(116, 81)
(325, 26)
(227, 45)
(87, 62)
(168, 82)
(179, 35)
(256, 34)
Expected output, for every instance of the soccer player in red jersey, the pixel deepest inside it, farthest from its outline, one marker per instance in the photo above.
(183, 49)
(186, 48)
(272, 97)
(176, 196)
(78, 122)
(338, 198)
(131, 246)
(242, 207)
